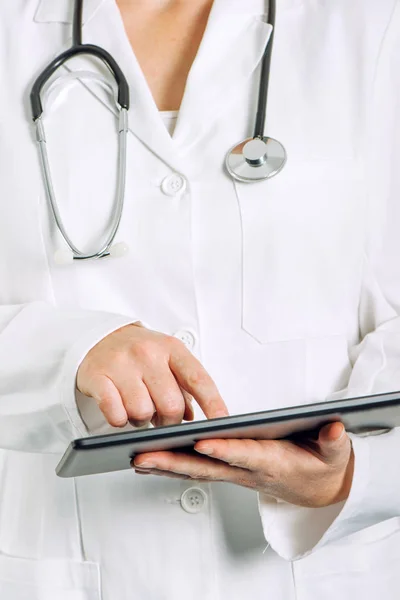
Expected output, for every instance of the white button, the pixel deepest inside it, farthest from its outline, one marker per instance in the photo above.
(173, 184)
(193, 500)
(186, 336)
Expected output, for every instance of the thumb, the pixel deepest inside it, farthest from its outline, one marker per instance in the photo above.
(333, 442)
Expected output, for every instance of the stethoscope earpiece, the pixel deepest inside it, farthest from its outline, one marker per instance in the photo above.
(119, 250)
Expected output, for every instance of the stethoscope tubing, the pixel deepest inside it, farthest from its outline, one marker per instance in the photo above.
(262, 168)
(123, 102)
(121, 182)
(261, 115)
(59, 61)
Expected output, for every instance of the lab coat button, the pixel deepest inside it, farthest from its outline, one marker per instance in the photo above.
(186, 336)
(193, 500)
(173, 184)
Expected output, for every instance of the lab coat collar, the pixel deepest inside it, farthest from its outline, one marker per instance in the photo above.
(231, 50)
(61, 11)
(102, 25)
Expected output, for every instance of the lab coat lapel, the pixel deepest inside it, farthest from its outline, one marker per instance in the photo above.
(232, 47)
(144, 118)
(103, 26)
(61, 11)
(231, 50)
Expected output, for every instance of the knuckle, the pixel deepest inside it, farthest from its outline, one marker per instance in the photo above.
(113, 414)
(117, 421)
(89, 375)
(114, 418)
(146, 350)
(172, 408)
(245, 463)
(103, 365)
(118, 355)
(195, 378)
(175, 343)
(105, 404)
(140, 415)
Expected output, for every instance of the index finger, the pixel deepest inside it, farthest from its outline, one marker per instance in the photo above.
(193, 378)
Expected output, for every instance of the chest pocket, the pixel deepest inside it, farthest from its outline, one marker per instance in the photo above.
(22, 579)
(302, 249)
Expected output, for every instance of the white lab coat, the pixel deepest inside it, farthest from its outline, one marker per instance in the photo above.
(289, 291)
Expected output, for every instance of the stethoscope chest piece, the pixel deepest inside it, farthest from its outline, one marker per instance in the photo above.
(256, 159)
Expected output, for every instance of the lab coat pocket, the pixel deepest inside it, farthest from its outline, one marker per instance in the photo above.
(50, 579)
(302, 241)
(363, 565)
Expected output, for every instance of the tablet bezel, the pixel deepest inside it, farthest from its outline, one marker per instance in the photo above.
(312, 414)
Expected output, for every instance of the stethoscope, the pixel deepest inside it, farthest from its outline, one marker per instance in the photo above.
(255, 159)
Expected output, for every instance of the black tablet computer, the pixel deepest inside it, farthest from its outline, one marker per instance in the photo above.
(114, 452)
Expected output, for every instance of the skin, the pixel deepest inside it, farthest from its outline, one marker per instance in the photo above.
(311, 473)
(165, 36)
(143, 376)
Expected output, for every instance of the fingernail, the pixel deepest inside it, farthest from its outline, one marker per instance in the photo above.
(146, 465)
(205, 450)
(342, 434)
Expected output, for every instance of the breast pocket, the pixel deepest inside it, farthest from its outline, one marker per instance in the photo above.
(302, 241)
(23, 579)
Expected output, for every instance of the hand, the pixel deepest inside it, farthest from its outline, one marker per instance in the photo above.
(142, 376)
(311, 473)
